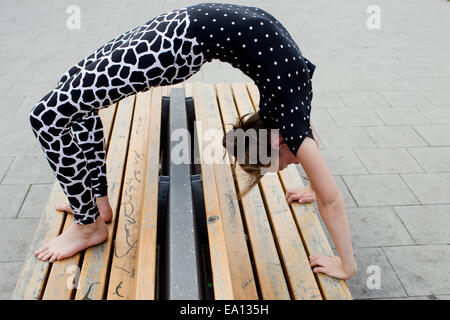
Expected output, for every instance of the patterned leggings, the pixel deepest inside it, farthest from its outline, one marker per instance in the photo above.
(66, 123)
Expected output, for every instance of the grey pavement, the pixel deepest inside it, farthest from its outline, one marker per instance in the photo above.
(381, 108)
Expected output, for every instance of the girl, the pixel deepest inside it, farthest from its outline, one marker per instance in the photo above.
(169, 49)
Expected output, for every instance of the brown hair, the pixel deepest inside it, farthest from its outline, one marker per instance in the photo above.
(253, 169)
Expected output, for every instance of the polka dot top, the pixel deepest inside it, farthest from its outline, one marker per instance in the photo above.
(256, 43)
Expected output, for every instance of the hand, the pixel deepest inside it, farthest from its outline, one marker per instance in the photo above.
(302, 195)
(332, 266)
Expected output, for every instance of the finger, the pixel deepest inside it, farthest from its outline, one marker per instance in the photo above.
(287, 194)
(308, 199)
(320, 269)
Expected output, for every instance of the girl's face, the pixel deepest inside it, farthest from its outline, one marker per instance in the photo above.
(283, 157)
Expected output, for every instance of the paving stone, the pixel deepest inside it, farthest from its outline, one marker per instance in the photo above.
(388, 160)
(439, 98)
(345, 138)
(9, 273)
(369, 84)
(29, 170)
(363, 99)
(430, 188)
(406, 99)
(15, 238)
(433, 159)
(427, 224)
(379, 190)
(11, 199)
(423, 270)
(403, 136)
(355, 117)
(438, 115)
(5, 162)
(400, 116)
(10, 104)
(341, 161)
(36, 200)
(435, 135)
(376, 227)
(323, 99)
(369, 260)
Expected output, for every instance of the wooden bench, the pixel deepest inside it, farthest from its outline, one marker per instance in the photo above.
(260, 245)
(251, 249)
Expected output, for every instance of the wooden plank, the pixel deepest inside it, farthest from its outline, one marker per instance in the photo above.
(300, 277)
(188, 91)
(267, 263)
(57, 287)
(313, 236)
(122, 273)
(95, 263)
(33, 276)
(309, 225)
(238, 256)
(146, 246)
(221, 273)
(30, 284)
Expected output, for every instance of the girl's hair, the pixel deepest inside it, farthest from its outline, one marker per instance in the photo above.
(249, 137)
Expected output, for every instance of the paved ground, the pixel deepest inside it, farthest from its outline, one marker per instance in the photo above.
(381, 106)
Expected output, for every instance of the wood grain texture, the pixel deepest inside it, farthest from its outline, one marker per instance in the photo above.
(146, 250)
(272, 283)
(221, 273)
(314, 237)
(293, 255)
(238, 256)
(63, 274)
(96, 259)
(308, 223)
(123, 266)
(31, 281)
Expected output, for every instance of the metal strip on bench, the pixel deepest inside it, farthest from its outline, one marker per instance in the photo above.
(181, 254)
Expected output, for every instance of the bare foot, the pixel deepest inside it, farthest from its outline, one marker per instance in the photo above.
(76, 238)
(102, 204)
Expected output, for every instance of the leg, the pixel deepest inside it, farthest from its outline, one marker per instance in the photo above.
(88, 133)
(138, 64)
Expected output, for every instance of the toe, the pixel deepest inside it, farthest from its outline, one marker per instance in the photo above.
(42, 254)
(47, 255)
(40, 250)
(53, 257)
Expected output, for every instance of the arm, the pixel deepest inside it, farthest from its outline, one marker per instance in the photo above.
(332, 210)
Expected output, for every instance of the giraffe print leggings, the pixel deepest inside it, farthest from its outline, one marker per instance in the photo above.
(66, 123)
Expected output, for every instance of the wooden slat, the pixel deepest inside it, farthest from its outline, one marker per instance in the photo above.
(268, 266)
(313, 236)
(33, 276)
(122, 274)
(188, 90)
(309, 225)
(300, 277)
(221, 273)
(146, 250)
(238, 256)
(95, 263)
(62, 271)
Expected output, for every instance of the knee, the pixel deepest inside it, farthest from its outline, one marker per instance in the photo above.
(35, 118)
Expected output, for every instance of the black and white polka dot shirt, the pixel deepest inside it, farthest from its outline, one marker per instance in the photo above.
(255, 42)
